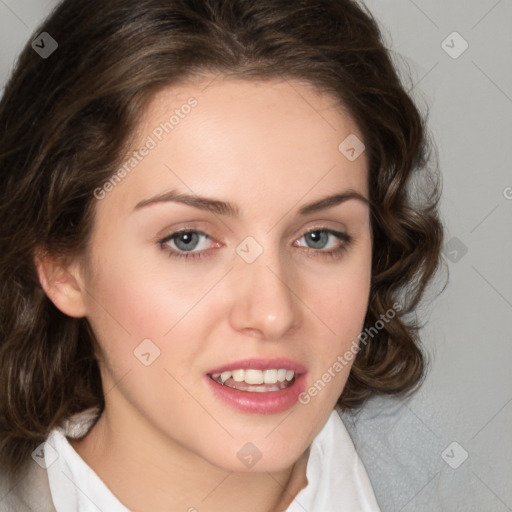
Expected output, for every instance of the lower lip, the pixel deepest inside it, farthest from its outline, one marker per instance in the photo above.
(270, 402)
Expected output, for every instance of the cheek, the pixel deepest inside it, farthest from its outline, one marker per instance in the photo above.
(127, 293)
(342, 300)
(137, 306)
(124, 305)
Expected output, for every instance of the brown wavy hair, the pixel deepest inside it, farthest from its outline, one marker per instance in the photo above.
(66, 120)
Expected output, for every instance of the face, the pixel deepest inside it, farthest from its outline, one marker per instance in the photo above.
(219, 296)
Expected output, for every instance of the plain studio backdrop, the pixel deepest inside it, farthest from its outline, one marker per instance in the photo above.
(449, 446)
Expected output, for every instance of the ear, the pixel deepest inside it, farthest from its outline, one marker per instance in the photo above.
(62, 283)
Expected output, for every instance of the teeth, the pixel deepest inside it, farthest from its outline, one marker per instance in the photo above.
(255, 377)
(270, 376)
(257, 389)
(224, 376)
(238, 375)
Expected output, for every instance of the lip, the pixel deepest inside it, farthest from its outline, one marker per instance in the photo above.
(261, 364)
(271, 402)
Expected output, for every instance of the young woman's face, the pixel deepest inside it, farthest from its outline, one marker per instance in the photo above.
(243, 287)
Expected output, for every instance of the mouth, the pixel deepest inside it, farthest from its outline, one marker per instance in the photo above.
(259, 386)
(256, 381)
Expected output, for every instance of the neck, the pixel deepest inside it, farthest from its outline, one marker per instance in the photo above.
(147, 472)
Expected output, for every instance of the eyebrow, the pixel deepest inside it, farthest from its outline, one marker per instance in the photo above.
(229, 209)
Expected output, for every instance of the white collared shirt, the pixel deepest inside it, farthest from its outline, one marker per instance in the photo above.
(337, 479)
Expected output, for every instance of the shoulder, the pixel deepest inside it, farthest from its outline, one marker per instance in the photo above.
(29, 492)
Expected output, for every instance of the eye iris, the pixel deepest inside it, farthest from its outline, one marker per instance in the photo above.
(318, 238)
(190, 239)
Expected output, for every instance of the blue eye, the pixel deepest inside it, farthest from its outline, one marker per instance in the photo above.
(317, 239)
(184, 243)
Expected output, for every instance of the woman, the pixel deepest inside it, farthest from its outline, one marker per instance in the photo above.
(208, 243)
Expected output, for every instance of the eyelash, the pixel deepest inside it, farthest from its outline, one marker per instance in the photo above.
(331, 254)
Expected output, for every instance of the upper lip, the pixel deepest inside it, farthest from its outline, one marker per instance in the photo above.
(261, 364)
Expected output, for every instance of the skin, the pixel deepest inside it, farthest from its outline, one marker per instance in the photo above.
(165, 441)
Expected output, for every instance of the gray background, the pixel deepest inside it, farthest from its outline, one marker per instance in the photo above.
(406, 444)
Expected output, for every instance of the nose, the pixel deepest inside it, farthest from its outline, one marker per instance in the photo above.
(265, 302)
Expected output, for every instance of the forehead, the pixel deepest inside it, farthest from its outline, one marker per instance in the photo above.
(239, 139)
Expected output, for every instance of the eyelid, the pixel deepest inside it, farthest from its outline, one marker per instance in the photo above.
(194, 226)
(164, 240)
(178, 227)
(343, 236)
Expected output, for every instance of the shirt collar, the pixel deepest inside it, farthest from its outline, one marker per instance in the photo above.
(337, 479)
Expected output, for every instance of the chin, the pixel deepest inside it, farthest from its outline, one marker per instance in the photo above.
(256, 457)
